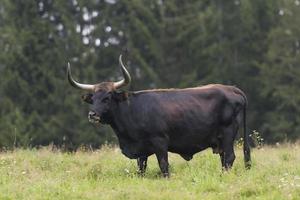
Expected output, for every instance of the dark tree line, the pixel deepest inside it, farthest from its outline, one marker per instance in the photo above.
(252, 44)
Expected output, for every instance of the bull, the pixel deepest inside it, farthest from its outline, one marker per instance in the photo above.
(183, 121)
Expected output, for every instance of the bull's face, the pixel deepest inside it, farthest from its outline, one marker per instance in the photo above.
(101, 94)
(99, 105)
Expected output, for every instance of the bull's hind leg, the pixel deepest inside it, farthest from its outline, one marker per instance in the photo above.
(227, 145)
(142, 164)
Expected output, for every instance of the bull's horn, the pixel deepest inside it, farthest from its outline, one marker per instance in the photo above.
(127, 78)
(76, 84)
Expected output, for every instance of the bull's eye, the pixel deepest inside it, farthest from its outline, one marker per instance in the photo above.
(105, 100)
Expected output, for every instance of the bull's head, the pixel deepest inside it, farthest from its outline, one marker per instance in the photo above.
(101, 94)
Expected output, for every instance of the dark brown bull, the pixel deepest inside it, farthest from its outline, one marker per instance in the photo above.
(183, 121)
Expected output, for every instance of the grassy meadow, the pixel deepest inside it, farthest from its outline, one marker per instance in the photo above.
(107, 174)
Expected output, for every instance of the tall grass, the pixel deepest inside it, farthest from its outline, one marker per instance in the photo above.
(107, 174)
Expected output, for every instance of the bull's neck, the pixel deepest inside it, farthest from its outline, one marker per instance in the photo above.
(119, 115)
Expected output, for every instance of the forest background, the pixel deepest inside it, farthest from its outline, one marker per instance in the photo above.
(252, 44)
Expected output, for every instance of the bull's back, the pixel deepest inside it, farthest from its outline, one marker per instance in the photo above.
(187, 110)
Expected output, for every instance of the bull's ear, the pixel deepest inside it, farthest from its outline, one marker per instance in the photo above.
(87, 98)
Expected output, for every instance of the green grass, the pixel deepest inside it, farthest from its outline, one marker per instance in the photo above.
(107, 174)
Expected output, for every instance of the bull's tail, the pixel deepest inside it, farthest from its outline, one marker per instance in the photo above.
(247, 156)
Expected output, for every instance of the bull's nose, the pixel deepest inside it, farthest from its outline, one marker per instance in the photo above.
(92, 114)
(93, 117)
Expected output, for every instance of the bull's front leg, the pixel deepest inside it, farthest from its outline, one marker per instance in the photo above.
(142, 164)
(162, 158)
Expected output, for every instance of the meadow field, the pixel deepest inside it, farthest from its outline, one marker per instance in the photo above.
(107, 174)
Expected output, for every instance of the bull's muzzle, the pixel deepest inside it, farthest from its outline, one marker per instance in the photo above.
(93, 117)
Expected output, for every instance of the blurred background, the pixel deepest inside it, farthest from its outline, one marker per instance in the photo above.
(253, 44)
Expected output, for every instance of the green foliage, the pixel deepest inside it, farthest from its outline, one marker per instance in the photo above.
(280, 75)
(251, 44)
(38, 106)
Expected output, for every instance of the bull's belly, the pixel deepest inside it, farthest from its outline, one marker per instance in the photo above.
(184, 142)
(189, 143)
(186, 148)
(189, 148)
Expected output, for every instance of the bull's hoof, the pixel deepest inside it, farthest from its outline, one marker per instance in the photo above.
(166, 175)
(141, 173)
(248, 165)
